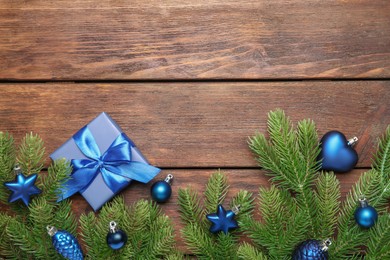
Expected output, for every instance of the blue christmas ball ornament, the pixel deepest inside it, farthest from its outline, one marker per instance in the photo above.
(116, 238)
(365, 215)
(65, 243)
(337, 153)
(312, 249)
(161, 190)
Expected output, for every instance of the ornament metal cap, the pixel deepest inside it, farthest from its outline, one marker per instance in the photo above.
(169, 178)
(51, 230)
(113, 228)
(17, 169)
(352, 141)
(326, 244)
(363, 201)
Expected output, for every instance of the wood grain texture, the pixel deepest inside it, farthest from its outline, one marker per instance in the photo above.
(84, 40)
(238, 179)
(197, 124)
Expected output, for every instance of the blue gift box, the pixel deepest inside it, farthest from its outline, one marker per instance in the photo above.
(104, 162)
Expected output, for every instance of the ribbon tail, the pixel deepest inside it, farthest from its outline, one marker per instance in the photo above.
(77, 182)
(138, 171)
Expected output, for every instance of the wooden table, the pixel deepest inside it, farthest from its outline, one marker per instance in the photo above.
(189, 81)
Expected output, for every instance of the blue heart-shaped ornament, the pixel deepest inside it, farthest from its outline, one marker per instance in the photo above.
(337, 153)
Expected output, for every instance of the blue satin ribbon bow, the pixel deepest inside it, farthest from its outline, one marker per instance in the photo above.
(115, 165)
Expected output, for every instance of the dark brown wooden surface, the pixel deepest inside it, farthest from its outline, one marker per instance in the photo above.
(89, 40)
(197, 124)
(190, 81)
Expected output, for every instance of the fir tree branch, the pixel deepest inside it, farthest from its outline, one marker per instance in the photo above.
(58, 173)
(189, 206)
(327, 198)
(350, 236)
(245, 200)
(248, 252)
(215, 193)
(379, 244)
(31, 154)
(381, 160)
(7, 162)
(225, 246)
(198, 241)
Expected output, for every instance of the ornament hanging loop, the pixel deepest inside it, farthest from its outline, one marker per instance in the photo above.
(352, 141)
(169, 178)
(326, 244)
(51, 230)
(236, 209)
(113, 226)
(17, 169)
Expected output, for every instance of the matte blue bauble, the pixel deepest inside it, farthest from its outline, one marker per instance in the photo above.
(117, 239)
(336, 153)
(310, 250)
(161, 191)
(365, 215)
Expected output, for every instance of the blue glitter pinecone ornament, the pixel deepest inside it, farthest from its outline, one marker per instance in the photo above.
(65, 243)
(312, 250)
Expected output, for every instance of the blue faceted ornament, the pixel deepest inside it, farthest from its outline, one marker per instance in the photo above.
(365, 215)
(223, 220)
(312, 249)
(65, 244)
(337, 153)
(161, 190)
(23, 187)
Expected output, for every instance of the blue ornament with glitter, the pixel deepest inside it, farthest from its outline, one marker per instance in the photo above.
(23, 187)
(65, 243)
(337, 153)
(161, 190)
(223, 220)
(312, 249)
(365, 215)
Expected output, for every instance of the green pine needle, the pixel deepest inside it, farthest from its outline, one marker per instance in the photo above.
(249, 252)
(7, 162)
(378, 246)
(327, 198)
(216, 190)
(189, 206)
(31, 154)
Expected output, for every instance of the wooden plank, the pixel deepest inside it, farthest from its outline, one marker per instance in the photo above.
(207, 39)
(197, 124)
(249, 180)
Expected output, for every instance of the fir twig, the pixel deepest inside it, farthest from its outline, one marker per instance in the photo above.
(7, 162)
(31, 153)
(216, 190)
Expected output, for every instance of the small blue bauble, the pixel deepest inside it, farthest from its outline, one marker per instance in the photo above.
(337, 153)
(161, 191)
(117, 239)
(365, 215)
(310, 250)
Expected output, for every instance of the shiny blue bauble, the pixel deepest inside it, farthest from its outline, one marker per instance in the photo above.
(336, 153)
(366, 216)
(310, 250)
(161, 191)
(117, 239)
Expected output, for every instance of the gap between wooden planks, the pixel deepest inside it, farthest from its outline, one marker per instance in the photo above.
(216, 39)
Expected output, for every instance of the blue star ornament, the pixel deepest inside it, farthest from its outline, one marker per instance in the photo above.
(22, 188)
(222, 220)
